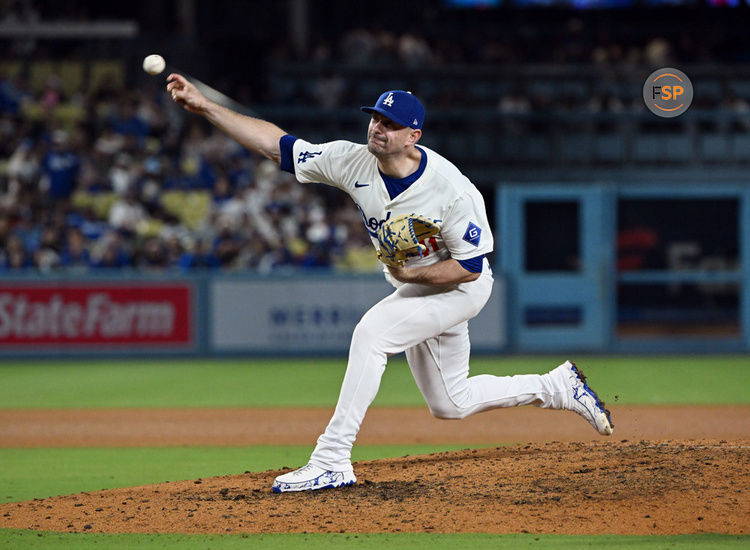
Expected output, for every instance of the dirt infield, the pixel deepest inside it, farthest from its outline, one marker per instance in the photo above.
(158, 427)
(666, 471)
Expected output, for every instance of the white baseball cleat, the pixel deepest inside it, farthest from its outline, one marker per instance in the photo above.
(585, 402)
(310, 478)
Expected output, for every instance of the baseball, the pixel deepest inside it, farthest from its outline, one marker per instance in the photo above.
(154, 63)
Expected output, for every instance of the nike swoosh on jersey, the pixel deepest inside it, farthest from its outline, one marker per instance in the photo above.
(357, 184)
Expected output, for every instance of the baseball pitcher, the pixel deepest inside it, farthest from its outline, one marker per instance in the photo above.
(428, 224)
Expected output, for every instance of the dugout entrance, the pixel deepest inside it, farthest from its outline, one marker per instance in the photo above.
(553, 249)
(606, 267)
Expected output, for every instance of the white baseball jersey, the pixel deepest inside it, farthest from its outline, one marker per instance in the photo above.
(441, 192)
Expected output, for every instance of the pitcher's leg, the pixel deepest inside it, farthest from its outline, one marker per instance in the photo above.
(360, 386)
(393, 324)
(412, 314)
(440, 367)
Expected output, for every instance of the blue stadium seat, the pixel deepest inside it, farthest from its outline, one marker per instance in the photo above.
(740, 86)
(508, 148)
(576, 88)
(484, 147)
(648, 148)
(663, 148)
(709, 87)
(535, 148)
(714, 148)
(609, 147)
(482, 91)
(741, 147)
(678, 147)
(577, 148)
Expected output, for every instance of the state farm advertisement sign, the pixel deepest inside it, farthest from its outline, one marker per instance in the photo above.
(98, 314)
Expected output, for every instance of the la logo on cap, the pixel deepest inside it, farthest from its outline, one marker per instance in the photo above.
(399, 106)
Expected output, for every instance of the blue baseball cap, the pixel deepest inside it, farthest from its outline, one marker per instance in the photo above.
(401, 107)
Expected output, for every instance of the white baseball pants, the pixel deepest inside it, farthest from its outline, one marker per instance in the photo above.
(431, 325)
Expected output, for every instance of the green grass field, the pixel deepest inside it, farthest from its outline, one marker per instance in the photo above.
(315, 382)
(36, 473)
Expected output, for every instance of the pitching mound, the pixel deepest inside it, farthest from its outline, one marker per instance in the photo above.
(621, 487)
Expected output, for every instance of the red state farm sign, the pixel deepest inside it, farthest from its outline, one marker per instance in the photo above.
(96, 313)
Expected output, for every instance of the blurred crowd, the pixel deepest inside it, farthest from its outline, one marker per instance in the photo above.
(111, 176)
(611, 55)
(125, 179)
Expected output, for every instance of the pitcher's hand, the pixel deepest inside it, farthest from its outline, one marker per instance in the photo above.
(186, 94)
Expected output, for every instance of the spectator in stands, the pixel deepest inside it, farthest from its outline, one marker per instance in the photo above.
(22, 171)
(414, 50)
(199, 256)
(153, 256)
(75, 255)
(126, 121)
(173, 248)
(15, 257)
(239, 169)
(51, 95)
(21, 13)
(13, 94)
(110, 252)
(659, 53)
(222, 191)
(126, 213)
(46, 256)
(90, 225)
(358, 46)
(328, 90)
(5, 233)
(122, 174)
(59, 168)
(740, 109)
(227, 247)
(109, 143)
(141, 147)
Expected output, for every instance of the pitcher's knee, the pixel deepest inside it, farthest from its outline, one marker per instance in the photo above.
(368, 336)
(364, 332)
(447, 411)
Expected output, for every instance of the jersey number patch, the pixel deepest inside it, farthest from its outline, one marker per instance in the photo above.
(432, 242)
(473, 234)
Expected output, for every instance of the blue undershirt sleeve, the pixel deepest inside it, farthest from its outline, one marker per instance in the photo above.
(286, 145)
(473, 264)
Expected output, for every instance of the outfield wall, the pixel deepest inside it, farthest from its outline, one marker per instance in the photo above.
(204, 315)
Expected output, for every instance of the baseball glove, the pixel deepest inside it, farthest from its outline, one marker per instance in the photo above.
(399, 238)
